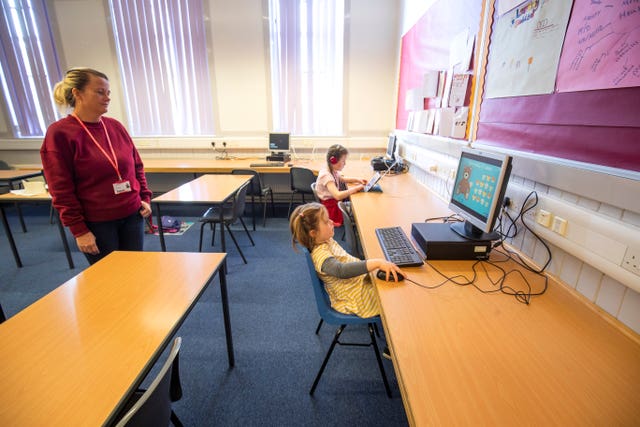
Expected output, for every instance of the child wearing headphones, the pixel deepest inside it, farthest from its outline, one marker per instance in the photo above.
(345, 277)
(331, 186)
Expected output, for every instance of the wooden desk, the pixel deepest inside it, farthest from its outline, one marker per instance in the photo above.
(18, 199)
(10, 177)
(467, 358)
(76, 355)
(206, 190)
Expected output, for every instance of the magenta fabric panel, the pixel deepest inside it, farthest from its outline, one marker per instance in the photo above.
(617, 147)
(426, 45)
(613, 107)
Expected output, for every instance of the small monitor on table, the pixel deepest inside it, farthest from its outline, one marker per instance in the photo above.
(279, 142)
(391, 148)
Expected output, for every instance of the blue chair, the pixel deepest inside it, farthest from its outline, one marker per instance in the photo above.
(333, 317)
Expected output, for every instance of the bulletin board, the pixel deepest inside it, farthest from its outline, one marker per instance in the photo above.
(580, 118)
(599, 126)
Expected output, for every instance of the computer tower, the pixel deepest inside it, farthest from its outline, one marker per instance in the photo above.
(439, 242)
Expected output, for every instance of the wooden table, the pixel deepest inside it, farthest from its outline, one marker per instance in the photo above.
(75, 356)
(467, 358)
(19, 199)
(13, 176)
(206, 190)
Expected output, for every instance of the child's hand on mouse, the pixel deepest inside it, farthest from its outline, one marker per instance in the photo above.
(389, 268)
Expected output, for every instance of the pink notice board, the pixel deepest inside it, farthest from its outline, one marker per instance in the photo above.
(599, 127)
(426, 45)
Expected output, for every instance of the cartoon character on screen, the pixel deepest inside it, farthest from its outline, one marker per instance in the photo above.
(464, 186)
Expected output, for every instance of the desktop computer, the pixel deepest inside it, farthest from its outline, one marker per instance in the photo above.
(439, 242)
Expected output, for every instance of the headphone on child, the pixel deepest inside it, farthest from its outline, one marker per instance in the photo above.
(333, 160)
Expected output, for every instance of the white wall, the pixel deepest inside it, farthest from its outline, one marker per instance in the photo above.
(239, 66)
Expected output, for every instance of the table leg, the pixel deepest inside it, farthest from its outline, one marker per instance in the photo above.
(224, 248)
(24, 227)
(225, 311)
(12, 243)
(163, 247)
(65, 243)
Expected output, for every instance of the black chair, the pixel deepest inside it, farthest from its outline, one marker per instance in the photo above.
(301, 180)
(152, 407)
(334, 317)
(350, 231)
(230, 214)
(2, 316)
(257, 189)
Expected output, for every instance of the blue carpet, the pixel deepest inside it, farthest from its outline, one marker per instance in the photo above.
(273, 317)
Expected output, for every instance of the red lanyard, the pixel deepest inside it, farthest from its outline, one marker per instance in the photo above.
(114, 161)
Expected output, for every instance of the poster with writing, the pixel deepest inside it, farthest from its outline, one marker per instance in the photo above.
(602, 46)
(525, 49)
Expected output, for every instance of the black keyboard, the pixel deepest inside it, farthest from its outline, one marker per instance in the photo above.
(397, 248)
(267, 165)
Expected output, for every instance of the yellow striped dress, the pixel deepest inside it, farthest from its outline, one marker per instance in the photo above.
(355, 295)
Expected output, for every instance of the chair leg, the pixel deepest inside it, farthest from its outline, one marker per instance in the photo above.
(253, 211)
(273, 206)
(319, 326)
(290, 204)
(247, 231)
(213, 233)
(326, 358)
(264, 210)
(236, 243)
(201, 231)
(379, 359)
(175, 420)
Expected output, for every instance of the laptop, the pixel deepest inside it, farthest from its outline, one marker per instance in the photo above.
(371, 185)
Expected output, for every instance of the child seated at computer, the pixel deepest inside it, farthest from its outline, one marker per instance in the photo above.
(345, 277)
(331, 186)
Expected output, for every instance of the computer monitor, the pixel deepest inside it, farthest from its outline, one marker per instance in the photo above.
(279, 142)
(479, 187)
(391, 147)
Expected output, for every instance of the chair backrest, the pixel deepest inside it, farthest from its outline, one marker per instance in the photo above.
(255, 187)
(154, 406)
(322, 298)
(350, 232)
(301, 179)
(239, 200)
(4, 165)
(315, 193)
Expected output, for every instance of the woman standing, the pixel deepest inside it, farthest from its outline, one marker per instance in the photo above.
(94, 172)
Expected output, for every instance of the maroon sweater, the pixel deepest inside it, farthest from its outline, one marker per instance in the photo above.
(80, 178)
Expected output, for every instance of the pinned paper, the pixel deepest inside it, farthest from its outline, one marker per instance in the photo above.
(460, 123)
(430, 84)
(459, 95)
(445, 125)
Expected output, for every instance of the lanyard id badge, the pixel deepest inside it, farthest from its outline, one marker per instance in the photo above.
(120, 187)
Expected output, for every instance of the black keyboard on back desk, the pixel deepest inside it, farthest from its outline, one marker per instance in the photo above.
(397, 248)
(267, 165)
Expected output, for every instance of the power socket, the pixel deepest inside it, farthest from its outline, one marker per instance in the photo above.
(631, 260)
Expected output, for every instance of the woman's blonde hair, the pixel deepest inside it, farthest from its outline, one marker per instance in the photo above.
(303, 220)
(75, 78)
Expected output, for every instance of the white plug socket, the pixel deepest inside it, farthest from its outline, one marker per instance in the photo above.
(544, 218)
(559, 226)
(631, 260)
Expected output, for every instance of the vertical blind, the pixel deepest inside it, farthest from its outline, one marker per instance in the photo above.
(161, 49)
(30, 66)
(307, 66)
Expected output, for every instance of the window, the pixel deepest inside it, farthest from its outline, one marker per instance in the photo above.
(307, 66)
(30, 67)
(161, 49)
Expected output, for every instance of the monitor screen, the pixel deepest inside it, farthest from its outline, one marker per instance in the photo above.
(391, 147)
(279, 141)
(478, 190)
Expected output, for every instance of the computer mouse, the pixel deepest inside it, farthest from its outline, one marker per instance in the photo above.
(383, 276)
